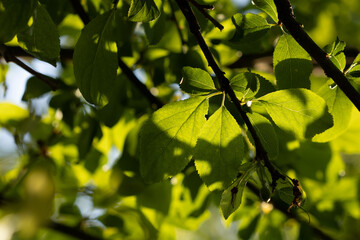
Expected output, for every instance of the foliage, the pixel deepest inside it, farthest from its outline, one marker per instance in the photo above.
(145, 138)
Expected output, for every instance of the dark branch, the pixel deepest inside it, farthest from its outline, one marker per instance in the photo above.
(225, 85)
(9, 57)
(202, 8)
(71, 231)
(287, 18)
(141, 87)
(125, 69)
(80, 11)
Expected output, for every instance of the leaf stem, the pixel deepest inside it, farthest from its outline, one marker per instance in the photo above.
(225, 85)
(287, 18)
(202, 8)
(9, 57)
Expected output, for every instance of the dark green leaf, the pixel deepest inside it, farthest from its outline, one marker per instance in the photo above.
(35, 88)
(232, 196)
(292, 64)
(95, 60)
(267, 6)
(298, 111)
(249, 26)
(196, 81)
(167, 139)
(14, 16)
(266, 133)
(340, 108)
(143, 11)
(219, 150)
(41, 39)
(156, 196)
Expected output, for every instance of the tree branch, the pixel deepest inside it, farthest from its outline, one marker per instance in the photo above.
(287, 18)
(254, 189)
(141, 87)
(225, 85)
(9, 57)
(71, 231)
(80, 11)
(156, 103)
(202, 8)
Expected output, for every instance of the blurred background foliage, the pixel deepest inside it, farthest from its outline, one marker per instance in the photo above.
(71, 171)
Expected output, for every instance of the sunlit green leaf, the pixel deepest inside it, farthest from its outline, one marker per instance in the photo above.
(11, 113)
(169, 136)
(292, 64)
(196, 81)
(298, 111)
(336, 53)
(143, 11)
(249, 26)
(3, 70)
(245, 85)
(95, 60)
(340, 108)
(219, 150)
(41, 39)
(267, 6)
(14, 16)
(266, 133)
(231, 198)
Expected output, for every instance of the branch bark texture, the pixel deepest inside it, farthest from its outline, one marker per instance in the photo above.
(287, 18)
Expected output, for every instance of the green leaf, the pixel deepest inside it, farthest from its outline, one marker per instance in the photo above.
(232, 196)
(167, 139)
(95, 60)
(196, 81)
(266, 133)
(14, 16)
(143, 11)
(11, 113)
(219, 150)
(245, 85)
(35, 88)
(41, 39)
(249, 26)
(299, 111)
(292, 64)
(340, 108)
(267, 6)
(353, 73)
(336, 53)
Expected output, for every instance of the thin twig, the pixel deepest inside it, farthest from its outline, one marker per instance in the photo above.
(173, 17)
(156, 103)
(225, 85)
(254, 189)
(287, 18)
(141, 87)
(9, 57)
(202, 8)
